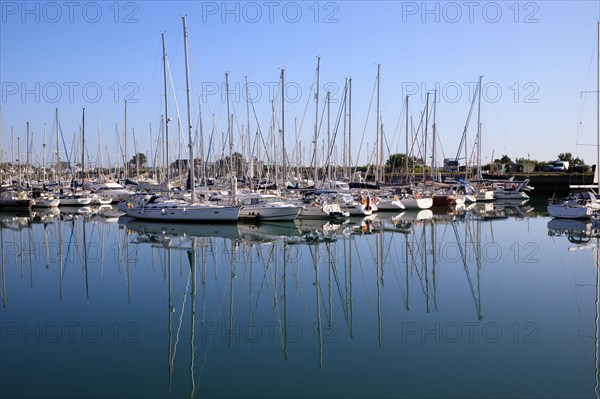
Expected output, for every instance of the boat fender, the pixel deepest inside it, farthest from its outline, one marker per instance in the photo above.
(162, 211)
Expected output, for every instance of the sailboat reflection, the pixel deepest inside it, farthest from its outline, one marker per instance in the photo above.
(576, 231)
(585, 235)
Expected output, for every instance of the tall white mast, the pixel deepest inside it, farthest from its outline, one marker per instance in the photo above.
(189, 111)
(166, 106)
(597, 173)
(316, 173)
(125, 144)
(378, 140)
(283, 127)
(478, 129)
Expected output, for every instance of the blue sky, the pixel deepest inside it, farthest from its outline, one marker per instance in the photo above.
(536, 58)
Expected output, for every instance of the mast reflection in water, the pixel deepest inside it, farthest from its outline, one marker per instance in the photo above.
(485, 301)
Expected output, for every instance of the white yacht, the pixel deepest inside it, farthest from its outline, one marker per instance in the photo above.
(158, 208)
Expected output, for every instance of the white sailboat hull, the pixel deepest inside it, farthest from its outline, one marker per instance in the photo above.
(417, 203)
(327, 211)
(511, 195)
(275, 213)
(46, 202)
(389, 205)
(185, 213)
(357, 209)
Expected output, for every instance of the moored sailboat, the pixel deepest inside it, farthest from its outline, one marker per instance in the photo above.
(583, 204)
(158, 208)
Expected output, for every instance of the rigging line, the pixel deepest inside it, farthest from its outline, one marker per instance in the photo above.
(306, 315)
(415, 133)
(158, 61)
(462, 254)
(362, 271)
(175, 100)
(259, 132)
(364, 129)
(320, 291)
(274, 291)
(180, 319)
(308, 98)
(466, 127)
(401, 119)
(210, 338)
(262, 283)
(342, 301)
(64, 269)
(396, 275)
(315, 156)
(197, 70)
(336, 129)
(415, 268)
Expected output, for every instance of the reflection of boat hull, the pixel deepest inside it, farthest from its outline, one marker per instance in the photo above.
(185, 213)
(16, 204)
(510, 202)
(577, 231)
(569, 225)
(184, 229)
(267, 232)
(390, 206)
(417, 203)
(75, 210)
(570, 212)
(74, 201)
(414, 215)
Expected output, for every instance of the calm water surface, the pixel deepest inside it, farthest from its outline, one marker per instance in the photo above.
(490, 302)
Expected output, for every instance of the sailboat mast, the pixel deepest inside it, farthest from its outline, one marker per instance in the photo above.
(250, 163)
(19, 159)
(166, 105)
(99, 149)
(125, 151)
(350, 128)
(433, 174)
(202, 160)
(425, 139)
(328, 160)
(406, 153)
(189, 110)
(479, 129)
(378, 141)
(27, 150)
(316, 173)
(283, 126)
(82, 145)
(597, 173)
(57, 149)
(44, 157)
